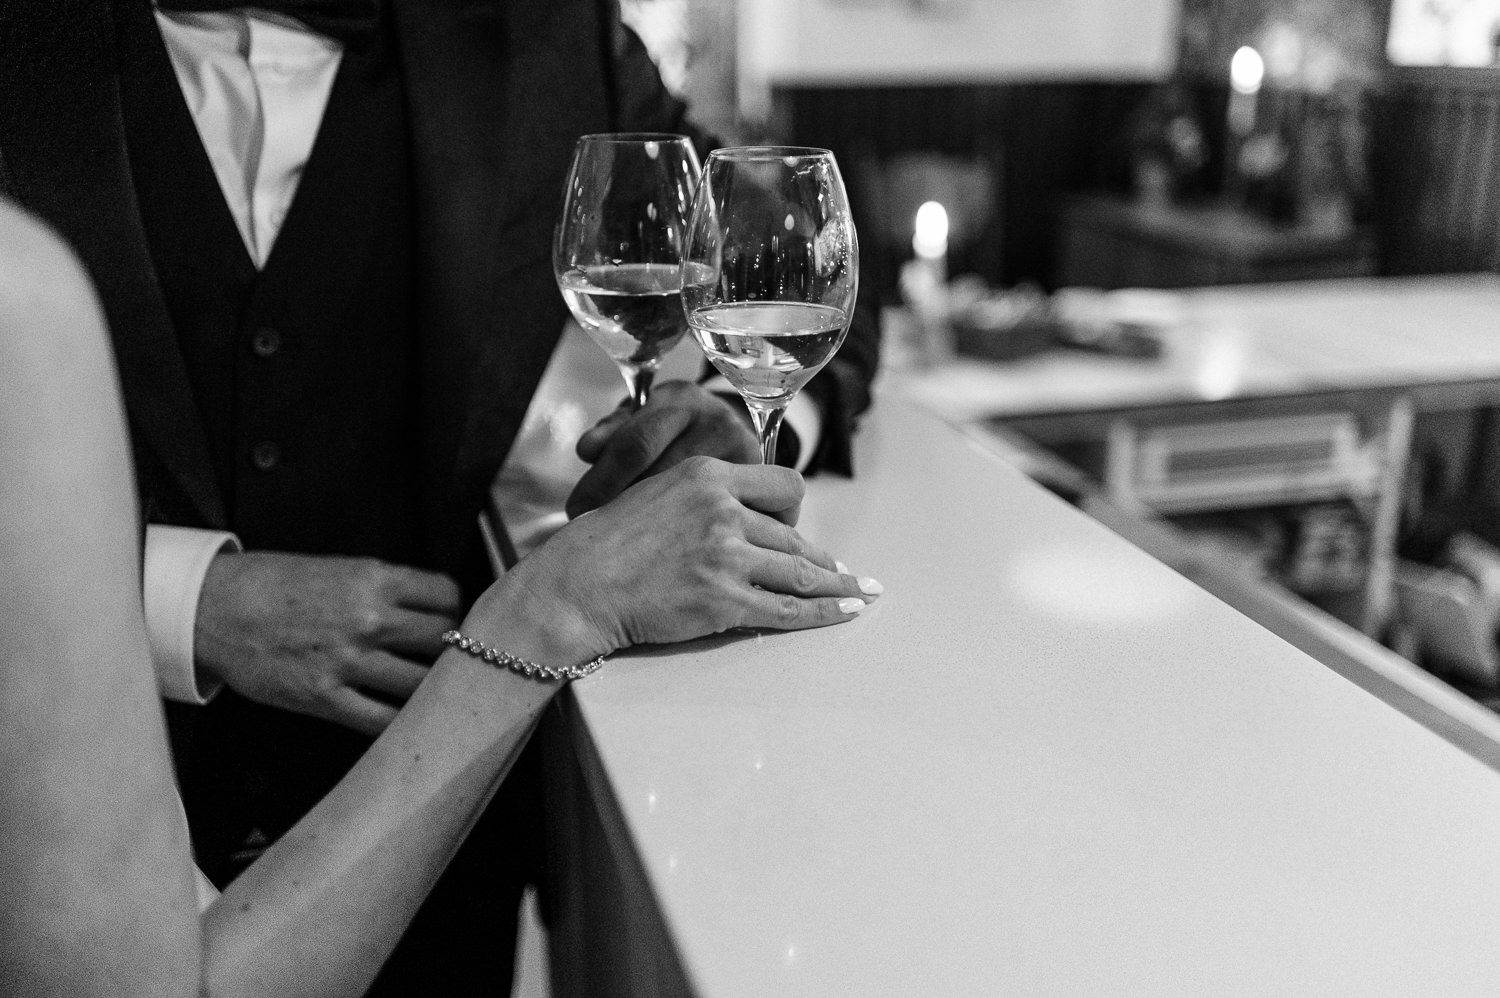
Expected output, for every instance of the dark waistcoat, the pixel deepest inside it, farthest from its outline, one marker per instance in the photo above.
(305, 373)
(305, 377)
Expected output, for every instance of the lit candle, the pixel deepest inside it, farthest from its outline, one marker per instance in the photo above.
(1246, 71)
(930, 241)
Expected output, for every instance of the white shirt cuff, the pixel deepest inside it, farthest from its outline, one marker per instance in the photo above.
(177, 559)
(802, 415)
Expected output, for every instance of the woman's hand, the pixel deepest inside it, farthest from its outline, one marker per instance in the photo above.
(700, 548)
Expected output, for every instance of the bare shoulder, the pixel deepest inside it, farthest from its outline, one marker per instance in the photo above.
(36, 259)
(49, 314)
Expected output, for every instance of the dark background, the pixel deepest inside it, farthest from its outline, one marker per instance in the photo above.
(1426, 142)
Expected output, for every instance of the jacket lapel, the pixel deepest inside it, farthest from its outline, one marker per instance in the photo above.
(495, 109)
(64, 142)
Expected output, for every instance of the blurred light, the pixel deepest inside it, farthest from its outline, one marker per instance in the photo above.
(1246, 70)
(931, 239)
(1220, 369)
(1282, 46)
(1073, 582)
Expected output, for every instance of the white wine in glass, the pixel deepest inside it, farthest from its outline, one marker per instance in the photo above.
(617, 249)
(770, 273)
(769, 349)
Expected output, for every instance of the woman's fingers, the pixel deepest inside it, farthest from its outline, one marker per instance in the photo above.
(763, 531)
(772, 490)
(786, 612)
(774, 536)
(780, 572)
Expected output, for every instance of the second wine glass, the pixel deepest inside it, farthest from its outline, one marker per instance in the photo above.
(617, 248)
(770, 273)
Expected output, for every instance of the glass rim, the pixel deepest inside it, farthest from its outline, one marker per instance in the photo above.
(763, 153)
(633, 137)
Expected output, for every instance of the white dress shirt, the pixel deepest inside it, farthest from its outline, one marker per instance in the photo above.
(257, 85)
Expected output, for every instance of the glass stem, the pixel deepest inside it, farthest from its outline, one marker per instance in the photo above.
(767, 426)
(638, 382)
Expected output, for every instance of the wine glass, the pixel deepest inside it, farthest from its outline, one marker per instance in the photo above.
(769, 272)
(617, 248)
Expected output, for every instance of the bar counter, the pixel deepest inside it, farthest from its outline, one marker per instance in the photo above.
(1042, 763)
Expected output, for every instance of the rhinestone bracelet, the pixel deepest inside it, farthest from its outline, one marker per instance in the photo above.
(505, 660)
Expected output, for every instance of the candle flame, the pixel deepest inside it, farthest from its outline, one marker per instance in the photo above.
(1246, 70)
(931, 239)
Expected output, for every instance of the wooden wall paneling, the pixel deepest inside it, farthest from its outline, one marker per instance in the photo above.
(1045, 138)
(1437, 172)
(1435, 159)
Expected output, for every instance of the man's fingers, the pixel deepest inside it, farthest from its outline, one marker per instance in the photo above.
(390, 674)
(416, 589)
(413, 633)
(591, 444)
(354, 709)
(630, 450)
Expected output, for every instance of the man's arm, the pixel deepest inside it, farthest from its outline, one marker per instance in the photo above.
(344, 639)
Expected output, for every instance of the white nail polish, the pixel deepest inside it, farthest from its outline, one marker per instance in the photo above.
(843, 569)
(851, 604)
(870, 587)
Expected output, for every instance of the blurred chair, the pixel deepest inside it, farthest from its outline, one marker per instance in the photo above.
(1288, 476)
(1451, 615)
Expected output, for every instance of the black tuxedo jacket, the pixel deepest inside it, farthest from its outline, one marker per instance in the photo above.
(497, 94)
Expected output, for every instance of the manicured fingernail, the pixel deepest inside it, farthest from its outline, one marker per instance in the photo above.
(851, 604)
(870, 587)
(843, 569)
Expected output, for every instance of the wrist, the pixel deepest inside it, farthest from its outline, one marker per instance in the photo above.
(534, 624)
(211, 648)
(502, 659)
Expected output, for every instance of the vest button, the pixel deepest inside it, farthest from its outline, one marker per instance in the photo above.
(266, 342)
(265, 455)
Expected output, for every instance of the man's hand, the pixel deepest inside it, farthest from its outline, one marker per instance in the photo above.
(681, 420)
(335, 638)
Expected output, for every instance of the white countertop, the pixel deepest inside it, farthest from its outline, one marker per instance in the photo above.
(1252, 342)
(1041, 764)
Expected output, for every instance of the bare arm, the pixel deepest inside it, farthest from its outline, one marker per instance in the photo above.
(94, 852)
(93, 847)
(700, 548)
